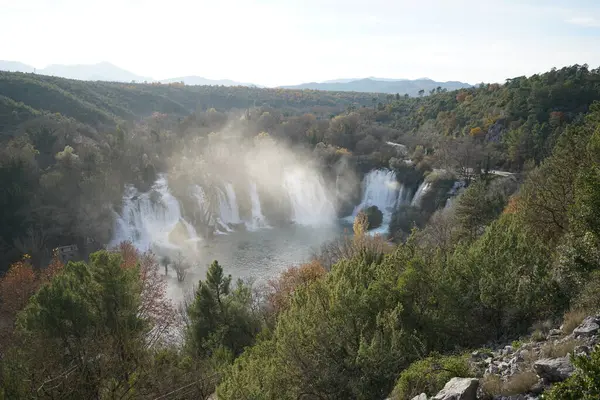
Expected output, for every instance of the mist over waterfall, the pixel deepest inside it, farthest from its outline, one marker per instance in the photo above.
(308, 197)
(256, 206)
(152, 219)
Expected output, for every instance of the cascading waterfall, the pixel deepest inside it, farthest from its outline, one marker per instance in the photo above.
(423, 188)
(212, 219)
(381, 189)
(233, 205)
(310, 203)
(229, 213)
(153, 219)
(257, 220)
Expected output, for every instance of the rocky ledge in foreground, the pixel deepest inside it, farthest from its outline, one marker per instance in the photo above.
(523, 371)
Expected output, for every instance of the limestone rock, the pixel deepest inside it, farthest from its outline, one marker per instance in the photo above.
(588, 327)
(422, 396)
(459, 389)
(554, 369)
(507, 350)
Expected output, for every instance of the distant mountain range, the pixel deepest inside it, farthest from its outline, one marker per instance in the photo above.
(198, 80)
(86, 72)
(105, 71)
(382, 85)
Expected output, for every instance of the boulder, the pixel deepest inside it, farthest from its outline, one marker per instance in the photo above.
(555, 332)
(459, 389)
(554, 369)
(422, 396)
(588, 327)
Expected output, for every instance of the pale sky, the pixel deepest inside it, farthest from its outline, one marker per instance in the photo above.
(277, 42)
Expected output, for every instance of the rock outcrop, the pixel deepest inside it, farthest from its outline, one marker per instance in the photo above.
(459, 389)
(554, 369)
(589, 327)
(527, 368)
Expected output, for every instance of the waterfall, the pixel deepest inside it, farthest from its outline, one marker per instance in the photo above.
(204, 205)
(308, 197)
(228, 208)
(153, 219)
(423, 188)
(233, 205)
(381, 189)
(257, 220)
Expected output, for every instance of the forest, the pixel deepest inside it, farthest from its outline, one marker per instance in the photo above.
(367, 315)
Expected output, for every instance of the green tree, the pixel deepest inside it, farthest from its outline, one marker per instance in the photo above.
(86, 328)
(512, 269)
(476, 208)
(342, 337)
(374, 217)
(430, 375)
(221, 318)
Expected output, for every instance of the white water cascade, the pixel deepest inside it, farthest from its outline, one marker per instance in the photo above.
(310, 204)
(257, 219)
(153, 219)
(229, 212)
(381, 189)
(423, 188)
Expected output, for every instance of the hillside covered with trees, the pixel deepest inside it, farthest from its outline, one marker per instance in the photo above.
(367, 316)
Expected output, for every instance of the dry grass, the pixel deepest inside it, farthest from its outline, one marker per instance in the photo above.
(552, 350)
(572, 320)
(521, 382)
(492, 386)
(542, 326)
(538, 336)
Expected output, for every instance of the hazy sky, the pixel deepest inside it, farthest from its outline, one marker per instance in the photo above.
(275, 42)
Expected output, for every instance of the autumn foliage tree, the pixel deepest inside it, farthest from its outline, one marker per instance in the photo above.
(282, 288)
(154, 304)
(95, 327)
(16, 288)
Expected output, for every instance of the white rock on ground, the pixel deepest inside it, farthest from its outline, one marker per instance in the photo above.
(588, 327)
(459, 389)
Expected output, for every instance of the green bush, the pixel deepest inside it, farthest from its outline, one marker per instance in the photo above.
(404, 219)
(584, 385)
(430, 375)
(374, 217)
(588, 298)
